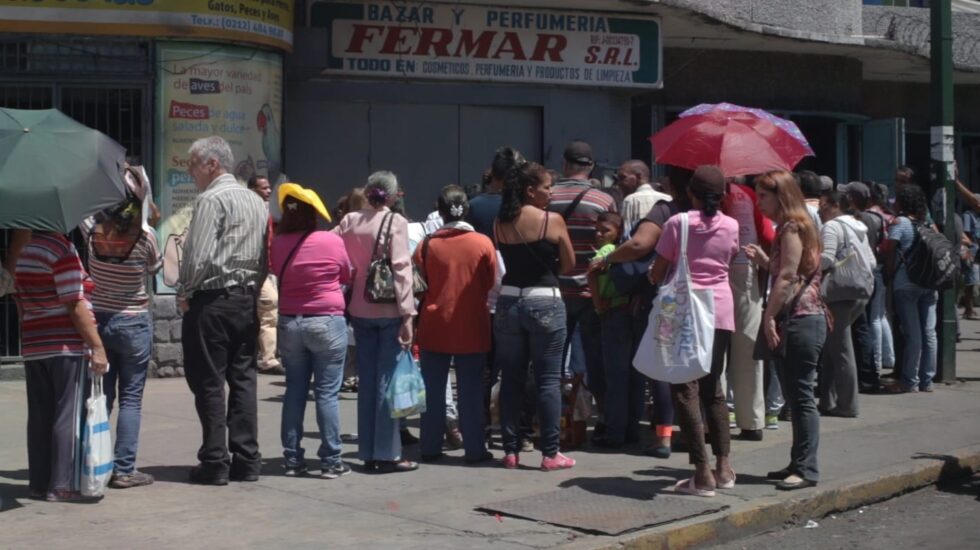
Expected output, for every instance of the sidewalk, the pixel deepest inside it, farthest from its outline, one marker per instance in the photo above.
(897, 443)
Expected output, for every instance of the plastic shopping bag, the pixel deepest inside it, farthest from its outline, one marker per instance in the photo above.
(406, 390)
(677, 345)
(96, 443)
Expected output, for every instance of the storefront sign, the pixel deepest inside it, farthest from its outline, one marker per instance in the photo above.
(268, 22)
(461, 42)
(235, 93)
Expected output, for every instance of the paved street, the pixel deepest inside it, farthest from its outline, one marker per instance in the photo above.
(938, 518)
(436, 507)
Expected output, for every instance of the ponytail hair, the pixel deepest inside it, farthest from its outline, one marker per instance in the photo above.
(452, 204)
(710, 202)
(518, 179)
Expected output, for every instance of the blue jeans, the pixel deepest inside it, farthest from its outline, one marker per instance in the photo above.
(881, 330)
(624, 385)
(377, 354)
(469, 378)
(128, 341)
(916, 308)
(530, 331)
(805, 339)
(312, 346)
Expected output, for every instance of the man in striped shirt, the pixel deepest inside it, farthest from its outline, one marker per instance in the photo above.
(223, 266)
(574, 198)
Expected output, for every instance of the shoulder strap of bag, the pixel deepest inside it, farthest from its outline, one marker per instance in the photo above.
(682, 258)
(381, 230)
(289, 258)
(574, 204)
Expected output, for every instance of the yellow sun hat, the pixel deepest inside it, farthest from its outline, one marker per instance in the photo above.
(304, 195)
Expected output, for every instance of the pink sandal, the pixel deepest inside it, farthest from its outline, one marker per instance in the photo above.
(688, 487)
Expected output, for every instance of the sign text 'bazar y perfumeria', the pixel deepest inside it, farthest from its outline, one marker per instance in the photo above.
(463, 42)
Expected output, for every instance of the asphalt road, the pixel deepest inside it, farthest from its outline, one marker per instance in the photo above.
(945, 517)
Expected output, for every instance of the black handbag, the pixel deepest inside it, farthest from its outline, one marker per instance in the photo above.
(762, 351)
(379, 284)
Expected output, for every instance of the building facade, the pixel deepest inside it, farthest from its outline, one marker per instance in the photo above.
(429, 89)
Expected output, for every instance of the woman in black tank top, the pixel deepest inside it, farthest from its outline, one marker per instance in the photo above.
(529, 325)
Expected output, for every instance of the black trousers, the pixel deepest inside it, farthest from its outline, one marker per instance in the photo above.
(219, 334)
(55, 397)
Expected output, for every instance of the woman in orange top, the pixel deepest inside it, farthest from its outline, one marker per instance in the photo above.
(454, 324)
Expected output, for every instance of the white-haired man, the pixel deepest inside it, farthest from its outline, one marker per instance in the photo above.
(223, 267)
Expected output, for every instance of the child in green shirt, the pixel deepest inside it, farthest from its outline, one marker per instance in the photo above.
(608, 231)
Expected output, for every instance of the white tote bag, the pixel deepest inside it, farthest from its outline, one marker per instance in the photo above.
(677, 345)
(96, 443)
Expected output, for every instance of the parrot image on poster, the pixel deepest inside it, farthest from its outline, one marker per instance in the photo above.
(271, 140)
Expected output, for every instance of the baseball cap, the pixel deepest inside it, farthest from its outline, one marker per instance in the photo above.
(826, 183)
(579, 152)
(857, 188)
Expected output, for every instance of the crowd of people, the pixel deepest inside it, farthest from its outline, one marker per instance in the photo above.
(537, 291)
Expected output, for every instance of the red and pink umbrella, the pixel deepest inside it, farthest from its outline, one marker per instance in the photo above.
(739, 140)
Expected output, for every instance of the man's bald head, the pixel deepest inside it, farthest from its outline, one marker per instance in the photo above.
(631, 175)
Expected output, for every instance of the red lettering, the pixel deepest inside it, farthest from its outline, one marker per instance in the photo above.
(478, 47)
(361, 36)
(434, 39)
(394, 39)
(511, 44)
(612, 56)
(628, 60)
(189, 110)
(592, 54)
(550, 45)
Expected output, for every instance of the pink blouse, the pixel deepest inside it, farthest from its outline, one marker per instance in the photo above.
(359, 230)
(712, 243)
(310, 284)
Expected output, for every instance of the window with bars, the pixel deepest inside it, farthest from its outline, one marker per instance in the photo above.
(103, 84)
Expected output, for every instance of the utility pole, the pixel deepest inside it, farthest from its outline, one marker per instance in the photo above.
(943, 162)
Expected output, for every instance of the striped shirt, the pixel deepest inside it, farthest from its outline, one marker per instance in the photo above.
(226, 241)
(49, 277)
(120, 285)
(581, 228)
(638, 204)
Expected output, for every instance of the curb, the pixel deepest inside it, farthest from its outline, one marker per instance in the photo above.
(763, 514)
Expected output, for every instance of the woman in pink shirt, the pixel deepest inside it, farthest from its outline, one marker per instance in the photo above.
(713, 242)
(381, 330)
(312, 333)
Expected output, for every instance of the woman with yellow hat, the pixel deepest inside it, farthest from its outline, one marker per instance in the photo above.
(311, 266)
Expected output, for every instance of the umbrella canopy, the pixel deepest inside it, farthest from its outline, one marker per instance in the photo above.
(55, 171)
(739, 140)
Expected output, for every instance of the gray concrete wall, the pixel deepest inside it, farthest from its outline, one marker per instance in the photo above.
(908, 28)
(168, 353)
(829, 20)
(761, 79)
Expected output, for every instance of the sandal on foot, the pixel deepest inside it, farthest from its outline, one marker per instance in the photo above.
(688, 487)
(729, 484)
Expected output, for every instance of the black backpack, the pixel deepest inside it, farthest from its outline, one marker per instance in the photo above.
(932, 260)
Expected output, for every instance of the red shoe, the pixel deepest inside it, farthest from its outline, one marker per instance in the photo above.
(557, 462)
(511, 461)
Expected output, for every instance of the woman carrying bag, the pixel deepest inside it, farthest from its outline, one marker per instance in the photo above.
(312, 333)
(703, 243)
(454, 324)
(794, 323)
(377, 237)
